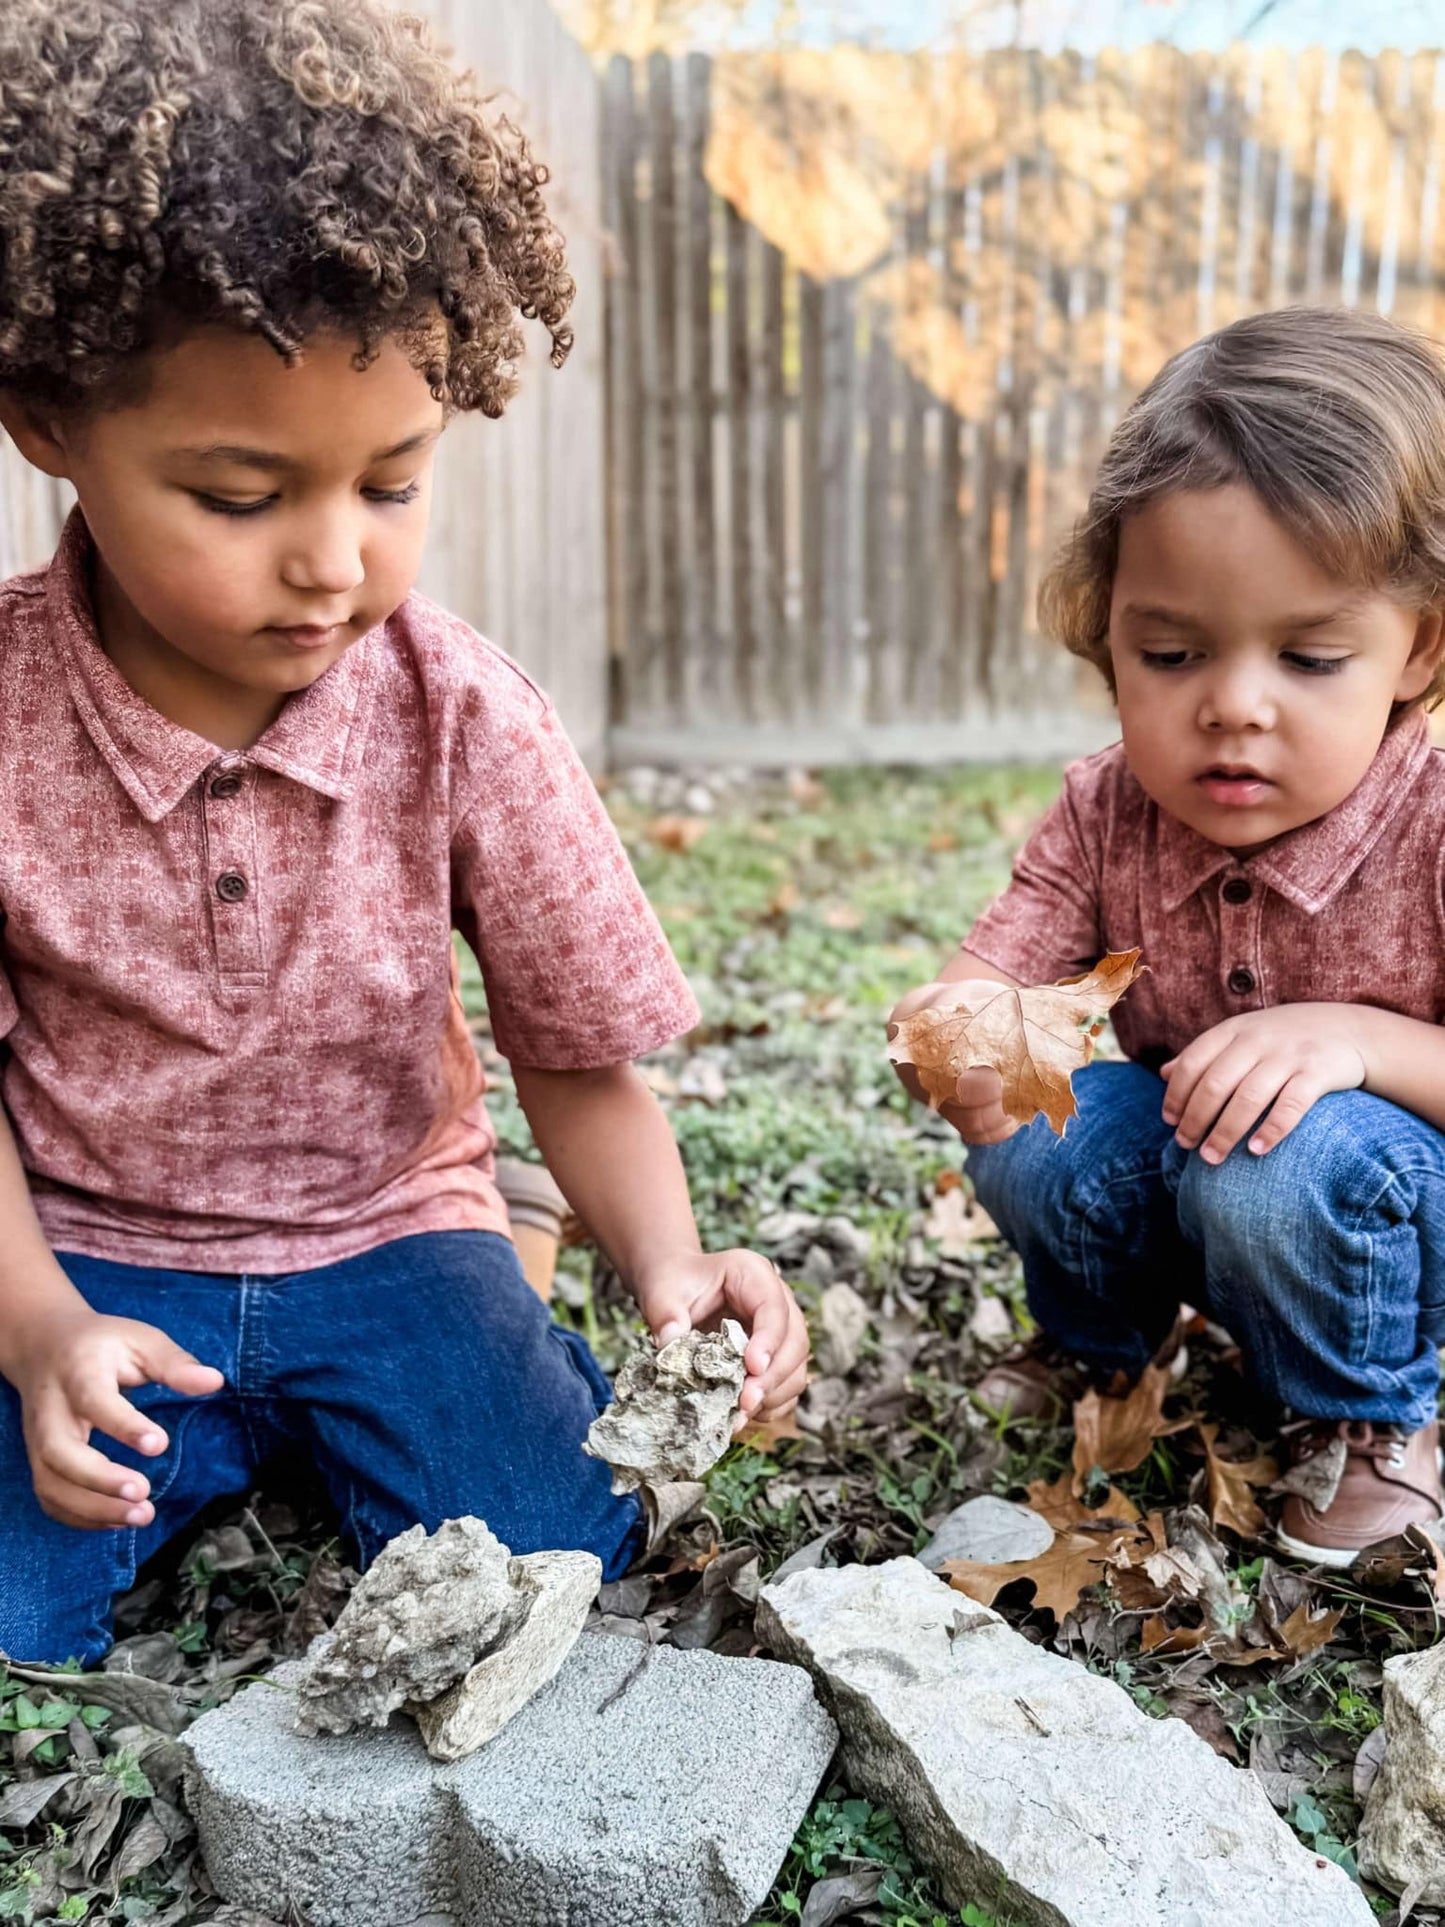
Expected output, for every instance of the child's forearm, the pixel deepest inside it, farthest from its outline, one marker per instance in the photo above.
(606, 1142)
(1404, 1060)
(32, 1284)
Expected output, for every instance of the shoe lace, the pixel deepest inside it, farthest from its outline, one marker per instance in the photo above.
(1364, 1438)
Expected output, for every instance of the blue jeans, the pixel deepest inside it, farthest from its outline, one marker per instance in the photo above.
(1325, 1258)
(424, 1379)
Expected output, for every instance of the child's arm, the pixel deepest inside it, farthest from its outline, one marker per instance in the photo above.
(977, 1114)
(68, 1364)
(1284, 1060)
(607, 1143)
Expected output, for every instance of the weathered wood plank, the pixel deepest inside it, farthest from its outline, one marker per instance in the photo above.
(702, 557)
(740, 502)
(811, 356)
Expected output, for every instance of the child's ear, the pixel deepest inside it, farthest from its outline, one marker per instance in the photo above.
(1424, 658)
(40, 438)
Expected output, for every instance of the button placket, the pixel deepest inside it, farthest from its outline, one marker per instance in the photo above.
(1239, 908)
(227, 807)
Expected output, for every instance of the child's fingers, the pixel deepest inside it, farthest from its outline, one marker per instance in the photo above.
(1213, 1090)
(95, 1399)
(912, 1001)
(164, 1362)
(64, 1464)
(76, 1505)
(1249, 1103)
(780, 1400)
(1298, 1095)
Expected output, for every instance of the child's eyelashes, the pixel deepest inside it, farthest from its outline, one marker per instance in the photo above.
(1297, 659)
(1314, 665)
(219, 505)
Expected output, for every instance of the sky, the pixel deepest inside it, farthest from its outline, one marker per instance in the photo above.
(1088, 25)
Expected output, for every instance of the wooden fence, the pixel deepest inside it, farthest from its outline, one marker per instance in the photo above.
(857, 395)
(517, 543)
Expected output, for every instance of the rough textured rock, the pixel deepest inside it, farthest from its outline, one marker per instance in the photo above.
(843, 1320)
(992, 1530)
(562, 1586)
(1021, 1776)
(673, 1414)
(624, 1794)
(428, 1608)
(1402, 1842)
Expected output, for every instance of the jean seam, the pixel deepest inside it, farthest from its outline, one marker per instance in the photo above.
(1085, 1213)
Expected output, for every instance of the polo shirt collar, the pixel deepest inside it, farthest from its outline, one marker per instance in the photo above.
(317, 739)
(1311, 864)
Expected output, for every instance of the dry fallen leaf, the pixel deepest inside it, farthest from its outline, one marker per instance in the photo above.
(1231, 1501)
(762, 1435)
(1063, 1508)
(959, 1223)
(677, 833)
(1118, 1434)
(1075, 1560)
(1034, 1038)
(1305, 1631)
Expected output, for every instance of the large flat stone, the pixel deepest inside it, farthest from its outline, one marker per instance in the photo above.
(614, 1798)
(1402, 1841)
(1020, 1776)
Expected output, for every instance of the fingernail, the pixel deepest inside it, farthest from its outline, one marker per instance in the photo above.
(1257, 1145)
(1210, 1155)
(674, 1329)
(130, 1492)
(151, 1442)
(766, 1359)
(136, 1516)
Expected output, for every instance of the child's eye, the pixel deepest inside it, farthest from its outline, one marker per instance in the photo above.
(218, 505)
(1314, 665)
(1164, 658)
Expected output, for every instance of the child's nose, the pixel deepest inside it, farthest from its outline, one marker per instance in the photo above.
(326, 558)
(1237, 701)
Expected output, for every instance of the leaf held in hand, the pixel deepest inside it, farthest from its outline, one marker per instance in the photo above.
(1034, 1038)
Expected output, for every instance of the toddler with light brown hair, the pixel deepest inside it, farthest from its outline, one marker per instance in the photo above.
(1260, 577)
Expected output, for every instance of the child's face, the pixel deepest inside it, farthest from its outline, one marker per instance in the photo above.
(1254, 687)
(252, 520)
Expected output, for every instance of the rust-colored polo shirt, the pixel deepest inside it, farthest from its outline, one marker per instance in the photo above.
(232, 1039)
(1349, 909)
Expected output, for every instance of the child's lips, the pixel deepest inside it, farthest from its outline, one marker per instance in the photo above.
(1234, 788)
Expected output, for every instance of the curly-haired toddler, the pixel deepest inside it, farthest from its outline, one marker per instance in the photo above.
(253, 255)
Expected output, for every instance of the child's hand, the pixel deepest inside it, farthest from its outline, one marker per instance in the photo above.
(1281, 1061)
(697, 1290)
(69, 1377)
(977, 1114)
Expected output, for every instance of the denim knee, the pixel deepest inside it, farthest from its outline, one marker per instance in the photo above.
(1325, 1257)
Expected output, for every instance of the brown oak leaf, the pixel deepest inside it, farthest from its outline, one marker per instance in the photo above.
(1034, 1038)
(1117, 1434)
(1075, 1560)
(1231, 1500)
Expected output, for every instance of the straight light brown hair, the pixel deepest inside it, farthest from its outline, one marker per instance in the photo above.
(1334, 418)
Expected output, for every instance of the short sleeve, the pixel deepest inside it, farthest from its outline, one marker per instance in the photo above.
(1046, 924)
(578, 972)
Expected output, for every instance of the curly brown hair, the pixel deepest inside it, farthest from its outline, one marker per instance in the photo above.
(1333, 417)
(285, 167)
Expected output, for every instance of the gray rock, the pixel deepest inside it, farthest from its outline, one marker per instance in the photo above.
(843, 1319)
(623, 1795)
(1020, 1776)
(988, 1529)
(428, 1608)
(673, 1414)
(1402, 1841)
(562, 1586)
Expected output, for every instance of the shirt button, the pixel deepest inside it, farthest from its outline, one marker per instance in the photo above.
(1237, 890)
(1241, 980)
(228, 784)
(231, 886)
